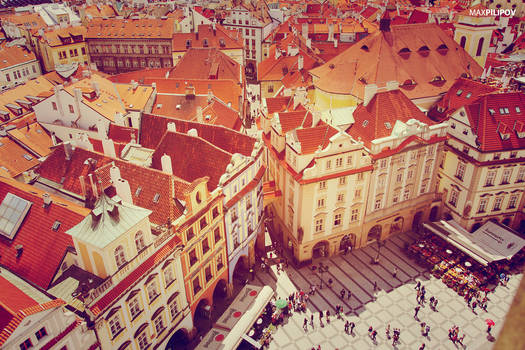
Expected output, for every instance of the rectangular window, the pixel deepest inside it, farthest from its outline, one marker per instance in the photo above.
(322, 185)
(153, 291)
(507, 173)
(174, 310)
(270, 88)
(360, 177)
(196, 286)
(381, 181)
(41, 333)
(377, 204)
(220, 263)
(215, 212)
(26, 344)
(497, 203)
(83, 50)
(320, 203)
(349, 160)
(169, 276)
(521, 175)
(339, 162)
(328, 164)
(114, 325)
(342, 180)
(134, 308)
(54, 105)
(193, 257)
(217, 234)
(383, 163)
(205, 246)
(208, 274)
(395, 198)
(453, 197)
(189, 234)
(491, 175)
(341, 197)
(423, 188)
(71, 109)
(399, 177)
(482, 205)
(357, 193)
(337, 220)
(318, 225)
(460, 170)
(8, 78)
(203, 223)
(159, 325)
(406, 195)
(355, 215)
(512, 202)
(410, 174)
(142, 339)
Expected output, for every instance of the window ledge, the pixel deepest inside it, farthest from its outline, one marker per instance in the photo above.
(137, 315)
(154, 298)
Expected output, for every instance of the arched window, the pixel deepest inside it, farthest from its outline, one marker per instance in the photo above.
(139, 241)
(480, 46)
(462, 41)
(120, 258)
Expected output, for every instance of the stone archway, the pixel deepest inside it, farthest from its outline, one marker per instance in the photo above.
(374, 234)
(241, 269)
(416, 221)
(348, 241)
(320, 250)
(434, 213)
(397, 225)
(220, 290)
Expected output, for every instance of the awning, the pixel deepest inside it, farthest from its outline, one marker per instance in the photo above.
(491, 242)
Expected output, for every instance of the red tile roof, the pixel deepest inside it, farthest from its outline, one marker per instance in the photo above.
(151, 181)
(314, 138)
(292, 120)
(140, 272)
(199, 159)
(369, 12)
(43, 248)
(418, 17)
(141, 29)
(489, 127)
(122, 134)
(207, 63)
(140, 75)
(12, 300)
(377, 119)
(15, 322)
(14, 55)
(222, 39)
(153, 127)
(12, 157)
(376, 59)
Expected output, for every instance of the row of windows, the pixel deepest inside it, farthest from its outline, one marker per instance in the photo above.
(208, 274)
(120, 256)
(319, 223)
(72, 53)
(41, 333)
(342, 181)
(18, 75)
(321, 202)
(142, 49)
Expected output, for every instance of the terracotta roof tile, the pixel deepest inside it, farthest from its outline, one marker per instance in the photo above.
(489, 123)
(223, 39)
(15, 158)
(12, 299)
(57, 36)
(99, 10)
(34, 137)
(144, 28)
(377, 119)
(14, 55)
(43, 247)
(292, 120)
(150, 181)
(122, 133)
(312, 139)
(376, 60)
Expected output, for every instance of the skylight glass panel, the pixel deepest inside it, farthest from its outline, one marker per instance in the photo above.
(13, 210)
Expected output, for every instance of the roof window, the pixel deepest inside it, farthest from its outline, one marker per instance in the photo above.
(13, 210)
(156, 198)
(468, 95)
(518, 110)
(404, 52)
(424, 51)
(388, 125)
(504, 110)
(492, 111)
(442, 49)
(459, 92)
(56, 225)
(28, 157)
(137, 192)
(365, 122)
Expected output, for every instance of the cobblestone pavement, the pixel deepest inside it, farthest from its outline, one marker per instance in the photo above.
(393, 303)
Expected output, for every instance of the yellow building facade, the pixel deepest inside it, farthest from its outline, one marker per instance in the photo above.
(473, 33)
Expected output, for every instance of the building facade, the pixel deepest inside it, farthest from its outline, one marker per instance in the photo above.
(17, 66)
(483, 171)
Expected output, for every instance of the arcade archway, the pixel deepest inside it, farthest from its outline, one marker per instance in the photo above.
(320, 250)
(374, 234)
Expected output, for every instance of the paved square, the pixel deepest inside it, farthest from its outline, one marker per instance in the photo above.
(392, 304)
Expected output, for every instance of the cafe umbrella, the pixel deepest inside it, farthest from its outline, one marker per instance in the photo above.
(281, 303)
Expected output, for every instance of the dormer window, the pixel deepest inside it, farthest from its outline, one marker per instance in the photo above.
(188, 43)
(205, 43)
(504, 110)
(442, 49)
(4, 115)
(424, 51)
(222, 43)
(404, 52)
(16, 110)
(365, 48)
(518, 110)
(468, 95)
(459, 92)
(492, 111)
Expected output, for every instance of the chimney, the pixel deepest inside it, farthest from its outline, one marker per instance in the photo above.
(68, 150)
(330, 32)
(210, 96)
(316, 117)
(114, 173)
(101, 130)
(109, 148)
(392, 85)
(309, 43)
(172, 126)
(82, 185)
(165, 160)
(93, 186)
(78, 99)
(277, 53)
(123, 190)
(304, 30)
(47, 200)
(199, 115)
(370, 91)
(134, 85)
(335, 43)
(96, 87)
(193, 133)
(214, 28)
(300, 62)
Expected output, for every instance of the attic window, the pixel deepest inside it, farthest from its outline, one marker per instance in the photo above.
(404, 52)
(518, 110)
(442, 49)
(364, 48)
(365, 122)
(491, 111)
(156, 198)
(388, 125)
(468, 95)
(205, 43)
(504, 110)
(424, 51)
(188, 43)
(56, 225)
(137, 192)
(459, 92)
(28, 157)
(222, 43)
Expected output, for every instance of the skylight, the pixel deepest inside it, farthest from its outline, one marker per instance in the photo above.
(28, 157)
(388, 125)
(13, 210)
(468, 95)
(491, 111)
(459, 92)
(56, 225)
(137, 192)
(156, 198)
(365, 122)
(518, 109)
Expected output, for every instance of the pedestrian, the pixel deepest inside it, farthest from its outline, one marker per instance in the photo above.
(422, 347)
(489, 328)
(375, 285)
(352, 325)
(460, 339)
(312, 320)
(394, 273)
(347, 324)
(416, 310)
(374, 334)
(418, 285)
(427, 330)
(305, 324)
(370, 329)
(423, 289)
(431, 302)
(422, 298)
(327, 316)
(330, 281)
(388, 331)
(435, 304)
(342, 293)
(474, 304)
(318, 347)
(423, 324)
(348, 294)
